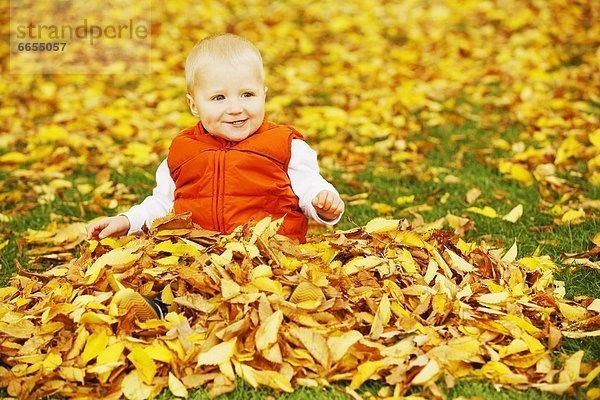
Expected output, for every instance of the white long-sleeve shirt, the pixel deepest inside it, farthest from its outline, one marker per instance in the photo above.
(303, 171)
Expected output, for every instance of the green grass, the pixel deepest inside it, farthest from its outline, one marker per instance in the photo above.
(385, 182)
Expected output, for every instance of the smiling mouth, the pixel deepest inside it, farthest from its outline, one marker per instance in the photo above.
(238, 123)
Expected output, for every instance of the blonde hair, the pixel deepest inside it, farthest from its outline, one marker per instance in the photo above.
(218, 48)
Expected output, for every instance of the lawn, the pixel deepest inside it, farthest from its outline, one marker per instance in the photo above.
(426, 111)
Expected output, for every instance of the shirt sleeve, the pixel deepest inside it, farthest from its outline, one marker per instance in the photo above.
(157, 205)
(306, 179)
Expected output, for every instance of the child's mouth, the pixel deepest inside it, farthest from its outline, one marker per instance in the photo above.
(238, 123)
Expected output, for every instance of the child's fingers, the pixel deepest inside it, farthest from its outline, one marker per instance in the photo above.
(93, 229)
(106, 232)
(111, 229)
(338, 206)
(327, 200)
(325, 203)
(318, 200)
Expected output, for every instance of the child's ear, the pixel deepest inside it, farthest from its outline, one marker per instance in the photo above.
(192, 104)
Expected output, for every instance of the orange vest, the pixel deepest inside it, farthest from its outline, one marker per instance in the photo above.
(225, 184)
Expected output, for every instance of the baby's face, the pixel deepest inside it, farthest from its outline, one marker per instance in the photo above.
(230, 100)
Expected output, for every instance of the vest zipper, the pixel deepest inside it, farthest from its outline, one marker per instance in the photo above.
(221, 191)
(216, 181)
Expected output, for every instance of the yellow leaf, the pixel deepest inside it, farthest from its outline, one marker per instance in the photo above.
(589, 378)
(85, 188)
(246, 249)
(570, 147)
(364, 372)
(167, 295)
(13, 157)
(166, 261)
(493, 298)
(594, 138)
(501, 373)
(428, 374)
(51, 133)
(594, 306)
(177, 249)
(382, 317)
(533, 344)
(218, 354)
(472, 195)
(459, 263)
(72, 374)
(402, 200)
(229, 289)
(514, 214)
(514, 347)
(380, 225)
(259, 271)
(315, 343)
(596, 239)
(122, 130)
(80, 341)
(260, 228)
(246, 372)
(571, 368)
(521, 174)
(359, 263)
(273, 379)
(511, 254)
(537, 263)
(572, 313)
(7, 292)
(267, 285)
(143, 364)
(556, 388)
(51, 362)
(266, 334)
(516, 172)
(176, 387)
(525, 360)
(383, 208)
(117, 257)
(96, 318)
(580, 335)
(573, 216)
(96, 343)
(521, 323)
(406, 260)
(593, 393)
(134, 388)
(139, 153)
(594, 179)
(110, 355)
(339, 345)
(409, 238)
(159, 352)
(486, 211)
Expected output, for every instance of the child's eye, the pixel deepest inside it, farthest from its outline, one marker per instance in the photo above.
(218, 97)
(247, 94)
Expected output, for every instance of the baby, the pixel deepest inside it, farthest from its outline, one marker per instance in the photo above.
(234, 165)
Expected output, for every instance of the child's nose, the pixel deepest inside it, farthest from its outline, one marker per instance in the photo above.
(234, 107)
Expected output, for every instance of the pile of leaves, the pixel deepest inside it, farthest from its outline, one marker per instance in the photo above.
(384, 301)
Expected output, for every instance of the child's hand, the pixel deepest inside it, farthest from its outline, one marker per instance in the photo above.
(328, 204)
(111, 226)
